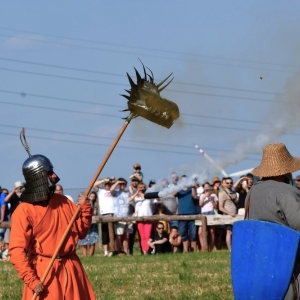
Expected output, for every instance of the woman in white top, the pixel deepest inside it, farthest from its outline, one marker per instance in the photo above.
(143, 207)
(208, 202)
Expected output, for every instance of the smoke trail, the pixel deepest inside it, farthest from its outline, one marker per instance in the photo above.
(282, 117)
(171, 188)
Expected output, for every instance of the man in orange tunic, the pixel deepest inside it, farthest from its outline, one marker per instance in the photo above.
(38, 224)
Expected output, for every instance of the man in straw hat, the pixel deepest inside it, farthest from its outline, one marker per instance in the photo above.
(273, 198)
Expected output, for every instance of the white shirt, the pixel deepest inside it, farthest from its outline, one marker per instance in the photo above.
(143, 207)
(106, 202)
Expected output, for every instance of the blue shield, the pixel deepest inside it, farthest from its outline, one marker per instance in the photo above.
(262, 259)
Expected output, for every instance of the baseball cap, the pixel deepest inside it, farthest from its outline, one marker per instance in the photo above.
(19, 184)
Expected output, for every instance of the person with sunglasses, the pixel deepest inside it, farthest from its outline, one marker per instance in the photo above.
(159, 241)
(227, 205)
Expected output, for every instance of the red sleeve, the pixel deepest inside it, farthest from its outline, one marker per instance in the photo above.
(84, 220)
(19, 245)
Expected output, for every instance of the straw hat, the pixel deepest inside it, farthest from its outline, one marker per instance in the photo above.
(215, 179)
(276, 161)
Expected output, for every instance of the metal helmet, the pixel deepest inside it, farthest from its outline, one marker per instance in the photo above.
(36, 170)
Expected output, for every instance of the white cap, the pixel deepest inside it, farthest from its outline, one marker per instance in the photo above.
(19, 184)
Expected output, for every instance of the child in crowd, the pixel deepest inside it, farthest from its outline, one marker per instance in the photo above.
(137, 172)
(175, 240)
(3, 251)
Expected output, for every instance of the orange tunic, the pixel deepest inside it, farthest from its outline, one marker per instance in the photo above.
(35, 233)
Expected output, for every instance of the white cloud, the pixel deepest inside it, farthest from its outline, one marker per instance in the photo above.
(28, 41)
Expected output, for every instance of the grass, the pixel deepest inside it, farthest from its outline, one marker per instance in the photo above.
(168, 276)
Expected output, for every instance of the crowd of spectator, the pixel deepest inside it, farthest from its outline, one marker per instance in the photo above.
(182, 196)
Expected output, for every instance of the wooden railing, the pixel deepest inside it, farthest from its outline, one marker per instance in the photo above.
(200, 220)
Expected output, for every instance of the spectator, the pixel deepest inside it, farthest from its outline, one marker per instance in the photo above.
(134, 183)
(132, 190)
(242, 187)
(122, 209)
(161, 212)
(59, 190)
(227, 204)
(14, 197)
(170, 201)
(3, 251)
(159, 241)
(297, 181)
(174, 178)
(223, 184)
(175, 240)
(143, 208)
(92, 237)
(186, 206)
(3, 211)
(151, 183)
(215, 184)
(208, 202)
(250, 180)
(106, 207)
(137, 172)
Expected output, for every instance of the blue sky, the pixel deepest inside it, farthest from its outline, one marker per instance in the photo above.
(63, 67)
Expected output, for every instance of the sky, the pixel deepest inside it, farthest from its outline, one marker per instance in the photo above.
(63, 68)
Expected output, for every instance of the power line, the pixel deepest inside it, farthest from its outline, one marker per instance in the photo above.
(120, 75)
(152, 49)
(105, 145)
(120, 84)
(108, 138)
(148, 55)
(114, 116)
(23, 94)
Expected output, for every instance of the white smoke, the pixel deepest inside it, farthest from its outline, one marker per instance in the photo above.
(190, 181)
(282, 117)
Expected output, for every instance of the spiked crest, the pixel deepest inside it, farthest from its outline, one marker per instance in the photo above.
(144, 99)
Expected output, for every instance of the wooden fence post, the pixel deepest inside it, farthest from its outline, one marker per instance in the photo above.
(111, 236)
(204, 233)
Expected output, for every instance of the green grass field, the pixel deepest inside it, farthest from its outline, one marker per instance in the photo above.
(168, 276)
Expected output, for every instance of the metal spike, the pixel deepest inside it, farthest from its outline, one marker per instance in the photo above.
(151, 73)
(151, 79)
(132, 84)
(159, 90)
(24, 142)
(158, 85)
(127, 97)
(138, 77)
(145, 74)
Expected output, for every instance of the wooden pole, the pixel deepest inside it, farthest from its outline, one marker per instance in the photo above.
(204, 233)
(111, 236)
(89, 188)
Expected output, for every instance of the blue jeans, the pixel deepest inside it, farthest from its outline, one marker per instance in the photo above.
(186, 227)
(208, 213)
(2, 232)
(173, 223)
